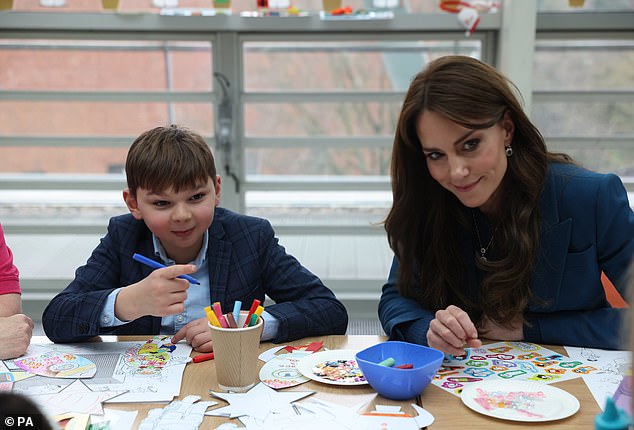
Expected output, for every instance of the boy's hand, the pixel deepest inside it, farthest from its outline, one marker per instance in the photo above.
(160, 294)
(451, 331)
(197, 335)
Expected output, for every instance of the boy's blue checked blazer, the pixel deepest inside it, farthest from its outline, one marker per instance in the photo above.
(245, 263)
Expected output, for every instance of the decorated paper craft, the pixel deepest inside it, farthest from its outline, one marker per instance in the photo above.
(612, 367)
(280, 368)
(72, 421)
(518, 361)
(335, 366)
(345, 371)
(391, 418)
(76, 397)
(271, 353)
(316, 414)
(113, 419)
(151, 357)
(55, 364)
(282, 372)
(258, 402)
(311, 347)
(6, 381)
(9, 377)
(186, 414)
(526, 401)
(150, 371)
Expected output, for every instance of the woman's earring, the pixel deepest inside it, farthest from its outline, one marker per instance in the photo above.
(508, 150)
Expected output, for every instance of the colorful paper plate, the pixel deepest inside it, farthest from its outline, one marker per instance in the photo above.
(519, 400)
(281, 371)
(335, 367)
(57, 365)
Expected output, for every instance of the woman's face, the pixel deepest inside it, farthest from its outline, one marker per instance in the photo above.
(468, 163)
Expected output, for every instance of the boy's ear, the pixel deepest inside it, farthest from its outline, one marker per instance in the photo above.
(132, 204)
(217, 188)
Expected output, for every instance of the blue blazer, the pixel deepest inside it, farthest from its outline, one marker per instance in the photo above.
(587, 228)
(245, 263)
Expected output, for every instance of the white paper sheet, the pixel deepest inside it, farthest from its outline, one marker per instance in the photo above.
(612, 365)
(121, 366)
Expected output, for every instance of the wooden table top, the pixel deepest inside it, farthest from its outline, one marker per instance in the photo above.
(448, 410)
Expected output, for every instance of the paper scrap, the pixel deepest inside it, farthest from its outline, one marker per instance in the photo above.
(186, 414)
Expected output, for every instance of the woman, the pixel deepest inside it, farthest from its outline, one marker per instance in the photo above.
(493, 235)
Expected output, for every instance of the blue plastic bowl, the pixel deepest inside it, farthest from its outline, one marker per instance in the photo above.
(399, 384)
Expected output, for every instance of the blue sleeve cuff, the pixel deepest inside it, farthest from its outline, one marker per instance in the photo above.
(271, 326)
(412, 331)
(107, 317)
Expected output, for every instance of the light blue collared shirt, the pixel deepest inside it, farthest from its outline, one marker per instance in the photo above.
(197, 295)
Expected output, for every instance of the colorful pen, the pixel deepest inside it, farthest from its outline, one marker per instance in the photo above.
(218, 311)
(231, 320)
(203, 357)
(211, 316)
(256, 315)
(156, 265)
(236, 309)
(254, 306)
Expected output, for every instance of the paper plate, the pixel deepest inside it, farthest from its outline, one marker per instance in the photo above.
(519, 400)
(335, 367)
(281, 371)
(55, 364)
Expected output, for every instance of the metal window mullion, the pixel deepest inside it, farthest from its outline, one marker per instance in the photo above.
(600, 22)
(324, 97)
(585, 142)
(319, 142)
(110, 96)
(61, 182)
(144, 23)
(333, 184)
(70, 141)
(613, 96)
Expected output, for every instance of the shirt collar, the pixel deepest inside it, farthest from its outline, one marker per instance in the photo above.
(200, 258)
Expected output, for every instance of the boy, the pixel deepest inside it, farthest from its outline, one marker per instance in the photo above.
(173, 195)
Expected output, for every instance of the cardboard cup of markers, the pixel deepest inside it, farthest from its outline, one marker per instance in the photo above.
(236, 355)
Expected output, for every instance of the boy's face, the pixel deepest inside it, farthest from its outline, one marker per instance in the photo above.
(180, 219)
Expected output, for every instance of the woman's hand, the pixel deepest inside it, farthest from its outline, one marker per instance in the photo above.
(451, 331)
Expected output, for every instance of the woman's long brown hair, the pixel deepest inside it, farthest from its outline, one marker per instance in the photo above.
(426, 225)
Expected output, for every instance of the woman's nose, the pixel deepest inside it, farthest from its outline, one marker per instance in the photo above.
(458, 167)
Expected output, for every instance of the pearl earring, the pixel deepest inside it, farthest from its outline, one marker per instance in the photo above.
(508, 150)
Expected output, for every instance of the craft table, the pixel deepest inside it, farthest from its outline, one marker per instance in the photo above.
(448, 409)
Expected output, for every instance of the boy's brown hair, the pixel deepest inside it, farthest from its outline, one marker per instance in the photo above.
(169, 157)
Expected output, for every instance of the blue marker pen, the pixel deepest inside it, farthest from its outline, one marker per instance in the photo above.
(236, 309)
(156, 265)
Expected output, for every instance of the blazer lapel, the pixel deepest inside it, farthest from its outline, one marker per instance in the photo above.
(553, 247)
(218, 258)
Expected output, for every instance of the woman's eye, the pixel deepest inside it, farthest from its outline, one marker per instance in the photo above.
(433, 156)
(470, 145)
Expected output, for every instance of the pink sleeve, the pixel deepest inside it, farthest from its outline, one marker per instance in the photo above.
(9, 275)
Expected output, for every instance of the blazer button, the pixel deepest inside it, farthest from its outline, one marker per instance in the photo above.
(83, 328)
